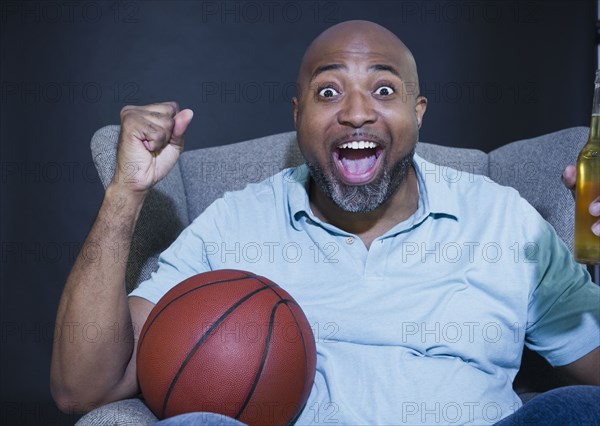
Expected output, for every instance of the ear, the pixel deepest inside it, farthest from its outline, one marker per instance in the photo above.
(295, 103)
(420, 107)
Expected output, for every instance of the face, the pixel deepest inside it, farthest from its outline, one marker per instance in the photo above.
(357, 118)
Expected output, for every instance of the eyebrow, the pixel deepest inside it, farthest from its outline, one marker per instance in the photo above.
(328, 67)
(332, 67)
(384, 67)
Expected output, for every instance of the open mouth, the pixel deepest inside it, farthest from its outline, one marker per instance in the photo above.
(357, 161)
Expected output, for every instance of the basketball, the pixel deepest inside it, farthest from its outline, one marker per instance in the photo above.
(227, 342)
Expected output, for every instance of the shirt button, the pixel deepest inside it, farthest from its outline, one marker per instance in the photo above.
(349, 240)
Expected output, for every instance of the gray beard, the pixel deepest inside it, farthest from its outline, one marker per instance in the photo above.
(362, 198)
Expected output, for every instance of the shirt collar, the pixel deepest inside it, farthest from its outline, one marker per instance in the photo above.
(435, 189)
(435, 193)
(296, 180)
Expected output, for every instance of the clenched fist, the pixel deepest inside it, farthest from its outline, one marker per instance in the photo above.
(150, 142)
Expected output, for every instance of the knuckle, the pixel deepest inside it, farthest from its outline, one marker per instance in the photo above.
(129, 119)
(126, 120)
(151, 128)
(170, 122)
(159, 132)
(174, 107)
(125, 110)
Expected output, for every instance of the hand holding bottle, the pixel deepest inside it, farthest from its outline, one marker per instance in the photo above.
(586, 181)
(569, 178)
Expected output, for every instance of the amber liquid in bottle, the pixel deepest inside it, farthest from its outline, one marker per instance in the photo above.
(586, 244)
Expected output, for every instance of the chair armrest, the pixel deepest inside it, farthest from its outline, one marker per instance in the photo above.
(126, 412)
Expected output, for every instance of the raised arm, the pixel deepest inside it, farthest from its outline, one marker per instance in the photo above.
(93, 360)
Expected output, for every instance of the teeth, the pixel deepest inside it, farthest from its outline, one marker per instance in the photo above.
(358, 145)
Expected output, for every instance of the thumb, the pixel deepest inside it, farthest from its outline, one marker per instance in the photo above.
(182, 120)
(569, 176)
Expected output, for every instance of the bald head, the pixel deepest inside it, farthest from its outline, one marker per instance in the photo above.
(360, 37)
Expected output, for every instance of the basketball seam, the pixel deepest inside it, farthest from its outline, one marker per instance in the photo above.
(305, 381)
(264, 357)
(184, 294)
(272, 287)
(285, 301)
(201, 341)
(262, 361)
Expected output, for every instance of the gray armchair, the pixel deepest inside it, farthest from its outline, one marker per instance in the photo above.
(532, 166)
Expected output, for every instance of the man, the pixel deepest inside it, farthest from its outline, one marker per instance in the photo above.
(413, 340)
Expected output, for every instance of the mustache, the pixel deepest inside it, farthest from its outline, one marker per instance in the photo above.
(359, 135)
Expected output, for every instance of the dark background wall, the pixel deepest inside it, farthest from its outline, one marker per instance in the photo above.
(494, 71)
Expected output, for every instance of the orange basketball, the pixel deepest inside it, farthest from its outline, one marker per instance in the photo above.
(227, 342)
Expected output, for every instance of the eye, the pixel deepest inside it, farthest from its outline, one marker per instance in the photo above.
(384, 90)
(328, 92)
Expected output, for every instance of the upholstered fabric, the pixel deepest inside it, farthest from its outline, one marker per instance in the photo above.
(129, 412)
(534, 167)
(531, 166)
(209, 172)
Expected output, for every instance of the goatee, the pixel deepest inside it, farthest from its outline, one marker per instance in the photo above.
(362, 198)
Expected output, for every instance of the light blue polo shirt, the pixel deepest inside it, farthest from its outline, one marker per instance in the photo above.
(425, 327)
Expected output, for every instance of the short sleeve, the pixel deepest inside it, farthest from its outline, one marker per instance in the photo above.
(563, 320)
(187, 256)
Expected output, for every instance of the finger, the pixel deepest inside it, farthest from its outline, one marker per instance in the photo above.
(153, 135)
(164, 108)
(596, 228)
(182, 120)
(167, 108)
(158, 118)
(162, 130)
(594, 208)
(162, 115)
(569, 176)
(159, 126)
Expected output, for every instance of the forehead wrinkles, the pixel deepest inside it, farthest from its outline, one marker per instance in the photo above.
(350, 62)
(356, 41)
(355, 55)
(356, 52)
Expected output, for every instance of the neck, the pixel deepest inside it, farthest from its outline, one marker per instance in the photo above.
(370, 225)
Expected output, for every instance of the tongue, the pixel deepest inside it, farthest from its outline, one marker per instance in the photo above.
(357, 162)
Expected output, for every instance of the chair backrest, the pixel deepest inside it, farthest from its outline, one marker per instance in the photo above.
(210, 172)
(534, 168)
(531, 166)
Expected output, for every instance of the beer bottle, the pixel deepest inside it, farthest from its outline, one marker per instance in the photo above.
(587, 245)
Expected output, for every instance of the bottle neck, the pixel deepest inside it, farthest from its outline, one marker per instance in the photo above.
(596, 101)
(595, 124)
(595, 130)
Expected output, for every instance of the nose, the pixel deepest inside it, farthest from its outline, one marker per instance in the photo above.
(357, 110)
